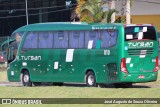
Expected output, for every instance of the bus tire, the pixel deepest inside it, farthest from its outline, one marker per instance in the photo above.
(91, 79)
(37, 83)
(58, 83)
(122, 85)
(26, 79)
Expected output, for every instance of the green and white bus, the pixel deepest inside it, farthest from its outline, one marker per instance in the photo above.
(84, 53)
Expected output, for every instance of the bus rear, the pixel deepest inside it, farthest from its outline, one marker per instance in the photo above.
(139, 62)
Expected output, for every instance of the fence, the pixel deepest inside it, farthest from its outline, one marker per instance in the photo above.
(2, 54)
(2, 39)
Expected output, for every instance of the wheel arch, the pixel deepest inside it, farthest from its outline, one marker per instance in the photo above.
(24, 70)
(90, 70)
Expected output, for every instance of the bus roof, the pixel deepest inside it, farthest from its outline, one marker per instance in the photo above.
(65, 26)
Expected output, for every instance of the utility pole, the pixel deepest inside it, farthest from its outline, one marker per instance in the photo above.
(26, 12)
(112, 6)
(128, 11)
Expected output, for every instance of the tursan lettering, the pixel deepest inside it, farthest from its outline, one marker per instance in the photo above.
(140, 44)
(30, 58)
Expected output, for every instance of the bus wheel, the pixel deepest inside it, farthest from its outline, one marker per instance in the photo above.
(36, 83)
(58, 83)
(26, 79)
(90, 79)
(122, 85)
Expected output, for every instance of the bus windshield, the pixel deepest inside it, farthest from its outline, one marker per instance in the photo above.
(13, 36)
(140, 33)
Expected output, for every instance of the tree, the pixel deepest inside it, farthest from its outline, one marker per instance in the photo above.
(91, 11)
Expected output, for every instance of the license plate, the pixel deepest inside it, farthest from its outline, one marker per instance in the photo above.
(141, 76)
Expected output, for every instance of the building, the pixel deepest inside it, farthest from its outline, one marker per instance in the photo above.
(13, 13)
(142, 11)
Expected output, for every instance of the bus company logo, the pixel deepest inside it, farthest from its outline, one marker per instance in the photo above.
(30, 58)
(140, 44)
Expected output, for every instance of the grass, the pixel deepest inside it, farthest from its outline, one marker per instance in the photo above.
(79, 92)
(3, 76)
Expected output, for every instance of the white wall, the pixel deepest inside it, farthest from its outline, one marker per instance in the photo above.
(141, 8)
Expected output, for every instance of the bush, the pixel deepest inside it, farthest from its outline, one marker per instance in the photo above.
(3, 66)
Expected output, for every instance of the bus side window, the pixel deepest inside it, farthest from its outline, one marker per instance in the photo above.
(76, 39)
(105, 39)
(91, 38)
(60, 39)
(45, 39)
(31, 41)
(113, 37)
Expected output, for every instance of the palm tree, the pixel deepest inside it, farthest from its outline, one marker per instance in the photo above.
(91, 11)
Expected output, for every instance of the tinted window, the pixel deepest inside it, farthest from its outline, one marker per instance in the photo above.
(91, 38)
(140, 33)
(108, 38)
(76, 39)
(45, 39)
(113, 37)
(105, 39)
(60, 39)
(13, 36)
(159, 39)
(31, 40)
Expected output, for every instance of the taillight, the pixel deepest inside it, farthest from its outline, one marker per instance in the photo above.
(1, 57)
(123, 65)
(156, 67)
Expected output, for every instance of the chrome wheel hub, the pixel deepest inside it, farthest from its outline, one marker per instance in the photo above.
(90, 80)
(26, 78)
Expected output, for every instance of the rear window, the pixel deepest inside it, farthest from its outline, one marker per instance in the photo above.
(140, 33)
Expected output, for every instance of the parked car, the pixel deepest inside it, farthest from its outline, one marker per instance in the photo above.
(2, 59)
